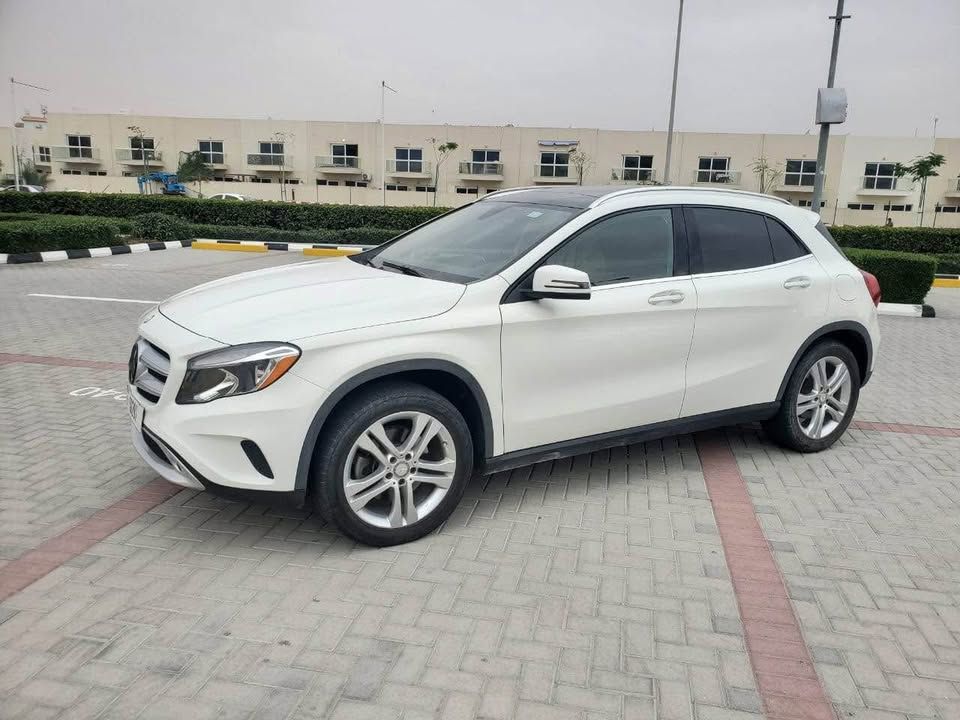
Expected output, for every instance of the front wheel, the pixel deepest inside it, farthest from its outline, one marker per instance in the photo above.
(394, 464)
(819, 401)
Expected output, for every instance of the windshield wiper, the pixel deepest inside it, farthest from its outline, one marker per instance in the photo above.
(405, 269)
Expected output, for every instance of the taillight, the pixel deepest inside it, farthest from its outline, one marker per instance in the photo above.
(873, 286)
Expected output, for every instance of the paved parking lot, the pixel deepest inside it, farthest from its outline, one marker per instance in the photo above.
(715, 578)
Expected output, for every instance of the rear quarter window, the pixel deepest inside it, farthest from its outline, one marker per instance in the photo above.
(822, 229)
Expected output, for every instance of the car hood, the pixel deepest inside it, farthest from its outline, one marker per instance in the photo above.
(312, 298)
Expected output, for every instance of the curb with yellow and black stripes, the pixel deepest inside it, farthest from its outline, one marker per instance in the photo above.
(946, 281)
(318, 250)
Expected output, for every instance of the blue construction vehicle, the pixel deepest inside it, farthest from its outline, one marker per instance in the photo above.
(171, 186)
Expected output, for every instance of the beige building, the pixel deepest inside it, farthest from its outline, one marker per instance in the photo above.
(318, 161)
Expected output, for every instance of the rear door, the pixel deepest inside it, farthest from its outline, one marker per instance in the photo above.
(760, 294)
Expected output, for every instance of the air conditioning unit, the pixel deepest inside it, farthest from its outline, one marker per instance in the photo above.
(365, 177)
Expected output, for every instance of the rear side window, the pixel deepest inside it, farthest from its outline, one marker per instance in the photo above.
(785, 244)
(731, 239)
(822, 229)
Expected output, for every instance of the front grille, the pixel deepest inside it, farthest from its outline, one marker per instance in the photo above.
(149, 369)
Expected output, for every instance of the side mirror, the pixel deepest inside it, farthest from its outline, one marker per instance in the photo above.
(560, 282)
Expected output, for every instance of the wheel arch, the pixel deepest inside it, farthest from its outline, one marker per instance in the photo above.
(452, 381)
(852, 334)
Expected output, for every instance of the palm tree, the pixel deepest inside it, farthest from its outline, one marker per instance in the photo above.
(919, 170)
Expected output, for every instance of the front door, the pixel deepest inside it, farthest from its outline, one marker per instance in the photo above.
(576, 368)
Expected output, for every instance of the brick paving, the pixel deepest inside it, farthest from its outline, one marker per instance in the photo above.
(593, 588)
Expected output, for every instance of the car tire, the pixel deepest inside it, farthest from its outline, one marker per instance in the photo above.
(808, 398)
(395, 479)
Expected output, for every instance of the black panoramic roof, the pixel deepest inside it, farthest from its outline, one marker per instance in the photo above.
(575, 196)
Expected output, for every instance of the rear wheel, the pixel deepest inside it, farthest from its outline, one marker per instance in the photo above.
(820, 399)
(393, 465)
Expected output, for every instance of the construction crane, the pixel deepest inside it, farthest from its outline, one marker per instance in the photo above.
(171, 186)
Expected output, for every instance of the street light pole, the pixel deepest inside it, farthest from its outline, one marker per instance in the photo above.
(673, 99)
(825, 127)
(13, 135)
(383, 148)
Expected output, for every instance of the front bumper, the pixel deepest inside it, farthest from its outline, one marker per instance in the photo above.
(222, 445)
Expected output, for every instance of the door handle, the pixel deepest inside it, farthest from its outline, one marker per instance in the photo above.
(799, 282)
(667, 297)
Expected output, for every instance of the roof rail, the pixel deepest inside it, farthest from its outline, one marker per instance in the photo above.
(682, 188)
(506, 191)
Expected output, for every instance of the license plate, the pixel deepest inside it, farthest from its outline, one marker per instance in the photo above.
(136, 411)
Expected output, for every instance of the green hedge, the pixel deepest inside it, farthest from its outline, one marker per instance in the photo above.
(948, 263)
(161, 227)
(931, 241)
(359, 236)
(282, 216)
(56, 233)
(903, 277)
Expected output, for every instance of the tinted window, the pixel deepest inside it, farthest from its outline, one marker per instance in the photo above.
(631, 246)
(785, 245)
(731, 240)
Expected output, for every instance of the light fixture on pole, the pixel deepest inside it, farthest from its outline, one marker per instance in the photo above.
(383, 149)
(673, 99)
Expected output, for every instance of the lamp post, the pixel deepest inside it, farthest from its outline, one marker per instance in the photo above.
(673, 99)
(383, 148)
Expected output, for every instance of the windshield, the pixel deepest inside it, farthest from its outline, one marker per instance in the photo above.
(474, 242)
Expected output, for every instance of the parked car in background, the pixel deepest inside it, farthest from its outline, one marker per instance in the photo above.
(24, 188)
(228, 196)
(531, 325)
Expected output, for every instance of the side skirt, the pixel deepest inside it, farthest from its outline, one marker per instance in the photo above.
(629, 436)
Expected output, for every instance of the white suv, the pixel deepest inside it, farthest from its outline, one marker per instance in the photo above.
(530, 325)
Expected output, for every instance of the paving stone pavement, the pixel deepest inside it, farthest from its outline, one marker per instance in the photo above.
(593, 588)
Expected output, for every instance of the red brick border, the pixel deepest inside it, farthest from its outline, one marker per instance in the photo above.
(907, 429)
(786, 678)
(6, 358)
(52, 553)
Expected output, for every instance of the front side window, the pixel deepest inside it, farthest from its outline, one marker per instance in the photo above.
(800, 173)
(79, 146)
(630, 246)
(879, 176)
(409, 159)
(713, 170)
(731, 239)
(473, 242)
(344, 154)
(212, 151)
(637, 168)
(141, 147)
(554, 164)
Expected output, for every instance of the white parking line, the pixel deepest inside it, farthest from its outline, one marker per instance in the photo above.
(101, 299)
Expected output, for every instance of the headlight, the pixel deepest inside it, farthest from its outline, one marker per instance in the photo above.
(235, 370)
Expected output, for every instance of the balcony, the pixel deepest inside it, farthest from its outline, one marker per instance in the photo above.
(73, 154)
(554, 174)
(716, 177)
(481, 171)
(270, 161)
(953, 187)
(337, 164)
(410, 168)
(135, 156)
(794, 185)
(633, 176)
(883, 186)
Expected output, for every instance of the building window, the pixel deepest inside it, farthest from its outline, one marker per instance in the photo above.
(398, 188)
(800, 173)
(947, 208)
(898, 208)
(713, 170)
(257, 179)
(328, 182)
(96, 172)
(859, 206)
(409, 160)
(212, 151)
(490, 190)
(425, 188)
(879, 176)
(554, 164)
(809, 203)
(79, 146)
(355, 183)
(271, 148)
(43, 154)
(140, 146)
(637, 168)
(483, 162)
(70, 172)
(345, 155)
(468, 191)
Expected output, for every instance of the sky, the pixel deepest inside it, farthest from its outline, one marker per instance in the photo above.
(745, 65)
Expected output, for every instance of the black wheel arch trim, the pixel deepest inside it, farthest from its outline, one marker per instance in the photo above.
(385, 371)
(847, 325)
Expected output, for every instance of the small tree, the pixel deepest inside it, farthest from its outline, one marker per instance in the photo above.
(283, 137)
(920, 170)
(582, 163)
(440, 153)
(139, 133)
(29, 173)
(767, 173)
(193, 168)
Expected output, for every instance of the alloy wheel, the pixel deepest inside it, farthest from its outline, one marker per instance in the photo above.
(824, 397)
